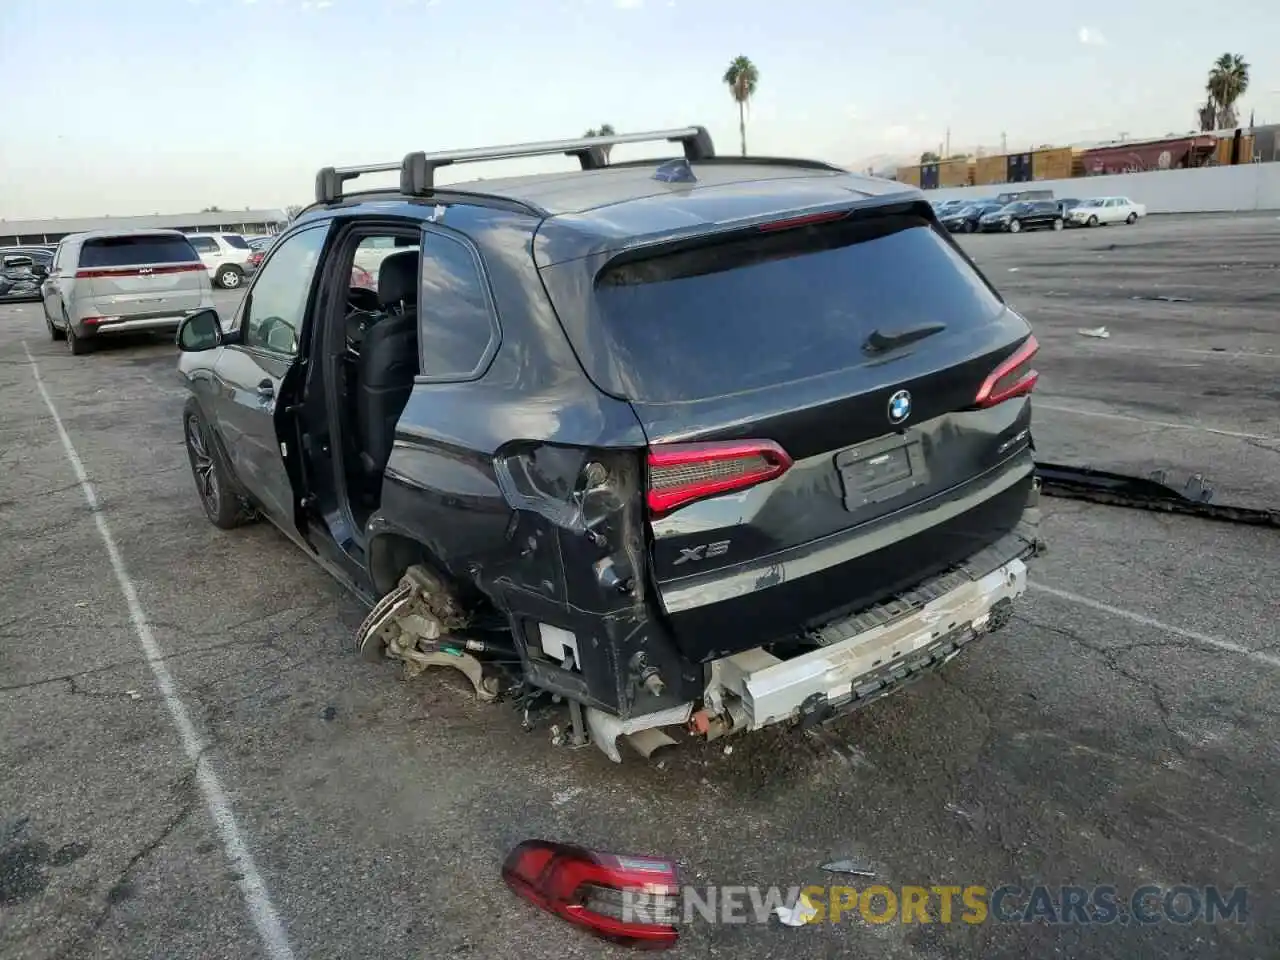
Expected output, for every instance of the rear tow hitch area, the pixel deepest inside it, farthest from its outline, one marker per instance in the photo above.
(415, 623)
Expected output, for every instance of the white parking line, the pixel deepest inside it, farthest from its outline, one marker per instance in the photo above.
(258, 901)
(1169, 424)
(1270, 660)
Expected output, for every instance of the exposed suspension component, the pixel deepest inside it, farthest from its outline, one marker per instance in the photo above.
(415, 623)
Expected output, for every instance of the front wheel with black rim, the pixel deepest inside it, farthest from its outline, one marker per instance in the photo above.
(222, 505)
(1131, 219)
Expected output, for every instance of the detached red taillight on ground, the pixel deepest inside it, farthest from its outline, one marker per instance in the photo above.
(1015, 377)
(680, 473)
(627, 900)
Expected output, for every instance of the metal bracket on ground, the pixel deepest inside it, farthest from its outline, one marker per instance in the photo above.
(1146, 493)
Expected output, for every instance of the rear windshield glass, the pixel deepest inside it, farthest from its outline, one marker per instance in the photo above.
(234, 240)
(130, 251)
(774, 308)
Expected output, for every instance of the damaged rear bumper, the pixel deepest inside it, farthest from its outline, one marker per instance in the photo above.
(756, 689)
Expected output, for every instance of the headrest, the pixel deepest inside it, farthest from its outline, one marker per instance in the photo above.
(398, 278)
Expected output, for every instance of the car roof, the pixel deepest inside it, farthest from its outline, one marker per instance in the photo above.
(112, 234)
(624, 204)
(581, 191)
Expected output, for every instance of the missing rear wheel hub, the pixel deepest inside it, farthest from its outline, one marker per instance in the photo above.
(414, 623)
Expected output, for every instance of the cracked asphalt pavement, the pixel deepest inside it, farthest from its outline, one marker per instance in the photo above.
(1123, 729)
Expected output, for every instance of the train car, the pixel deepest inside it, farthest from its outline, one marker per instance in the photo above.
(953, 173)
(909, 175)
(1177, 153)
(1018, 168)
(988, 170)
(1228, 153)
(1053, 163)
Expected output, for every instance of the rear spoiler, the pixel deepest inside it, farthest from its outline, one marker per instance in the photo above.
(1147, 493)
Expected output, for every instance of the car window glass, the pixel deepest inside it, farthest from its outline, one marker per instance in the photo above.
(130, 250)
(369, 255)
(455, 316)
(278, 299)
(204, 244)
(235, 240)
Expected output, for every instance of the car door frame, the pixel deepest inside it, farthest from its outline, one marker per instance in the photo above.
(289, 490)
(327, 431)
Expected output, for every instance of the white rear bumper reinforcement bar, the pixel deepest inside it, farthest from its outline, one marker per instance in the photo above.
(772, 690)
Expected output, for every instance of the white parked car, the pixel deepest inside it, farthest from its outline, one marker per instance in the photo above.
(1103, 210)
(228, 257)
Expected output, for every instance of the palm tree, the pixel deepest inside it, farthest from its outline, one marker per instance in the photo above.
(1207, 115)
(1228, 80)
(742, 78)
(604, 130)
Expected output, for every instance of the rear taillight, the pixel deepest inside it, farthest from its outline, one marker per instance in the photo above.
(1015, 377)
(628, 900)
(680, 473)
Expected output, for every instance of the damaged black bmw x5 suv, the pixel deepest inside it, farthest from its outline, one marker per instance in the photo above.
(708, 442)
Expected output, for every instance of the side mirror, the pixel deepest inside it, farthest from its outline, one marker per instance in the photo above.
(39, 270)
(200, 331)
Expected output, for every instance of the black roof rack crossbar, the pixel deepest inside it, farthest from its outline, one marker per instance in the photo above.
(417, 170)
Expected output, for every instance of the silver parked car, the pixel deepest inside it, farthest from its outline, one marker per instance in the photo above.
(112, 282)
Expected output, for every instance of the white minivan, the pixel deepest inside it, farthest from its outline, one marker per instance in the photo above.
(117, 282)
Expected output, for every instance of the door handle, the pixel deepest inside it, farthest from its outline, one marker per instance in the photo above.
(266, 390)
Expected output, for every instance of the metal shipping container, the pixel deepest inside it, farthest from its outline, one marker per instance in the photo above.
(1018, 168)
(990, 170)
(1052, 164)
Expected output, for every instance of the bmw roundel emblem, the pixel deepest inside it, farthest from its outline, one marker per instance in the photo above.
(899, 406)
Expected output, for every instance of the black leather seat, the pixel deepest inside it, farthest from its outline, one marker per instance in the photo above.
(388, 361)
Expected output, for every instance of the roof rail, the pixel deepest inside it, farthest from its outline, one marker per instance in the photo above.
(731, 159)
(417, 170)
